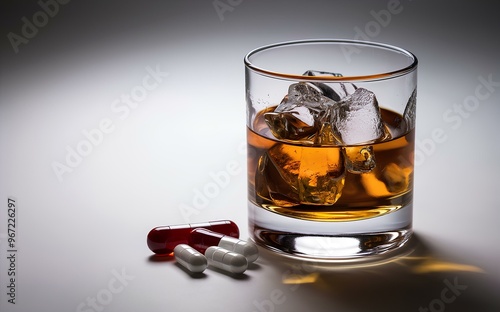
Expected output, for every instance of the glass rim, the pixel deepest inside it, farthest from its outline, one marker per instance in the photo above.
(329, 78)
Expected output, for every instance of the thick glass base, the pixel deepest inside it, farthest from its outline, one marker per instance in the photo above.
(330, 241)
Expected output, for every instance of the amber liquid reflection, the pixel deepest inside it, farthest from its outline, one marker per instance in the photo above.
(331, 183)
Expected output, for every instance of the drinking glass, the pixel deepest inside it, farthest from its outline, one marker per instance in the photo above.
(330, 137)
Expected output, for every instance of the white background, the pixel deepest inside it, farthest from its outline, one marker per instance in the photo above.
(82, 238)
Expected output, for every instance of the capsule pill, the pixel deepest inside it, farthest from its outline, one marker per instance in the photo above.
(163, 239)
(200, 239)
(190, 258)
(226, 260)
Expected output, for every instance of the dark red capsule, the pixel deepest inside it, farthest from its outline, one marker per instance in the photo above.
(163, 239)
(201, 239)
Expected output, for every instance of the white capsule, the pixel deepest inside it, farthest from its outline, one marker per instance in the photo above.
(226, 260)
(247, 249)
(190, 258)
(200, 239)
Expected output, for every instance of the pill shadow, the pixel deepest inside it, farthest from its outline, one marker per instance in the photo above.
(161, 258)
(254, 266)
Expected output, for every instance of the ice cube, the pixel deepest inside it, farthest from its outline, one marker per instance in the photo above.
(396, 178)
(271, 186)
(304, 93)
(311, 72)
(410, 110)
(301, 113)
(321, 176)
(356, 119)
(290, 175)
(335, 91)
(292, 125)
(359, 159)
(326, 136)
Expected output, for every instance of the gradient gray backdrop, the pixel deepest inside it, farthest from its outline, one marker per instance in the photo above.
(83, 238)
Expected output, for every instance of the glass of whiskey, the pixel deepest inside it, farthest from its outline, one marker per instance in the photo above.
(330, 143)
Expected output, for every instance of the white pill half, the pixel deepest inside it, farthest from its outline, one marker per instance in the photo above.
(247, 249)
(190, 258)
(226, 260)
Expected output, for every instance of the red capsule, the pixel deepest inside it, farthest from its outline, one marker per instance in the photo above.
(163, 239)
